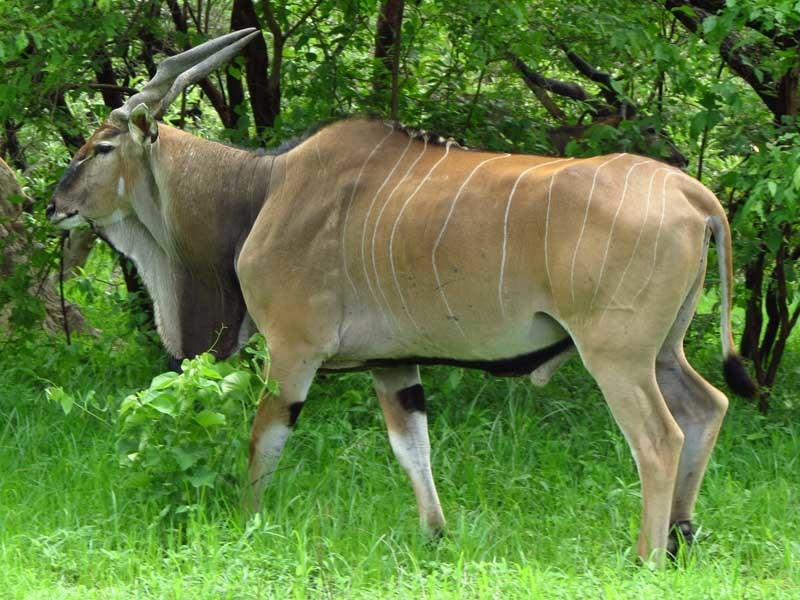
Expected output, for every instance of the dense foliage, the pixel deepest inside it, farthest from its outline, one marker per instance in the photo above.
(708, 84)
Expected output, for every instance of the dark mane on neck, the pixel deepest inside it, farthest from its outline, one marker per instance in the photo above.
(416, 133)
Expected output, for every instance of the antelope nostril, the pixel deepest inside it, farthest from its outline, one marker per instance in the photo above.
(50, 210)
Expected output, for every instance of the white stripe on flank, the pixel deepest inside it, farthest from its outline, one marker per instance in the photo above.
(658, 231)
(366, 220)
(378, 219)
(586, 220)
(436, 244)
(611, 231)
(394, 231)
(350, 205)
(505, 228)
(547, 227)
(638, 240)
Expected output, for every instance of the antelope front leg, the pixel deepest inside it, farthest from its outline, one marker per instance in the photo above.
(276, 416)
(403, 404)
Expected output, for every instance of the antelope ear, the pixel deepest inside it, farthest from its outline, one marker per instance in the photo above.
(142, 126)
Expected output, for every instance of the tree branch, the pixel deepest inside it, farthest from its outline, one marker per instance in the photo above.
(593, 74)
(562, 88)
(735, 54)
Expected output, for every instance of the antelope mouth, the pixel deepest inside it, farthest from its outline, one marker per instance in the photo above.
(69, 220)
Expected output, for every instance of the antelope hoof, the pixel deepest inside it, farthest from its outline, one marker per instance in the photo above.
(433, 530)
(685, 531)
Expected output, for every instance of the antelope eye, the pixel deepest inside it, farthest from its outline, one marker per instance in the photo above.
(103, 148)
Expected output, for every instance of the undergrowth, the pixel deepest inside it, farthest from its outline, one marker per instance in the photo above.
(136, 491)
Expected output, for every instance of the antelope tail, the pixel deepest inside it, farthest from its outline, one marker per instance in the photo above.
(736, 376)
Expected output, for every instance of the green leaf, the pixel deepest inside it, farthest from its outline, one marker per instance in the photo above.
(165, 403)
(698, 124)
(208, 418)
(129, 403)
(796, 179)
(21, 41)
(772, 187)
(57, 394)
(236, 381)
(186, 458)
(203, 476)
(209, 372)
(163, 381)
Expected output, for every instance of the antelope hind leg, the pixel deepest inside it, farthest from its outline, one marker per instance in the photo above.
(699, 408)
(630, 389)
(403, 403)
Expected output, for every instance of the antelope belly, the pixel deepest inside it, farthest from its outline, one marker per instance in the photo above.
(513, 345)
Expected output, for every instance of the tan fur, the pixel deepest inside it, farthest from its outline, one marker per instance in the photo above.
(395, 251)
(361, 244)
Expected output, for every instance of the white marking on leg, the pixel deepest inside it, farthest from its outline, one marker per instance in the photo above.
(412, 449)
(611, 231)
(658, 232)
(394, 231)
(268, 451)
(366, 221)
(439, 286)
(505, 228)
(350, 205)
(585, 221)
(636, 244)
(378, 219)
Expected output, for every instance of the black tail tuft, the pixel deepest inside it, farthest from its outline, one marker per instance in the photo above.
(737, 377)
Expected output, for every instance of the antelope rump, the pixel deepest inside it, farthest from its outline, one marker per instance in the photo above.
(372, 246)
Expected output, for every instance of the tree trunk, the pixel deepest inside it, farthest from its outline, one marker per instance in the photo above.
(387, 54)
(257, 68)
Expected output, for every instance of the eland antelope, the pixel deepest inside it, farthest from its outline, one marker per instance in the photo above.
(372, 246)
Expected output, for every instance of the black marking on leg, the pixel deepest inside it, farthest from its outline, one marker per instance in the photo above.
(685, 531)
(175, 364)
(412, 398)
(294, 412)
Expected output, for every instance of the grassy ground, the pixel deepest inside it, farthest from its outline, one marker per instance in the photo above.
(538, 486)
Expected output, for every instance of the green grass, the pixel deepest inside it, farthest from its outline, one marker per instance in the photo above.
(538, 486)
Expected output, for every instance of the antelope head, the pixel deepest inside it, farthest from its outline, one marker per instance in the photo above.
(175, 204)
(95, 189)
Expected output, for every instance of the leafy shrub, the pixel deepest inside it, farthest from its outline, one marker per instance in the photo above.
(188, 431)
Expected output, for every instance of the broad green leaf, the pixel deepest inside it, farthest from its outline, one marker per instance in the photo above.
(163, 381)
(203, 476)
(208, 418)
(132, 401)
(236, 381)
(209, 372)
(186, 458)
(165, 403)
(772, 187)
(57, 394)
(21, 41)
(796, 179)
